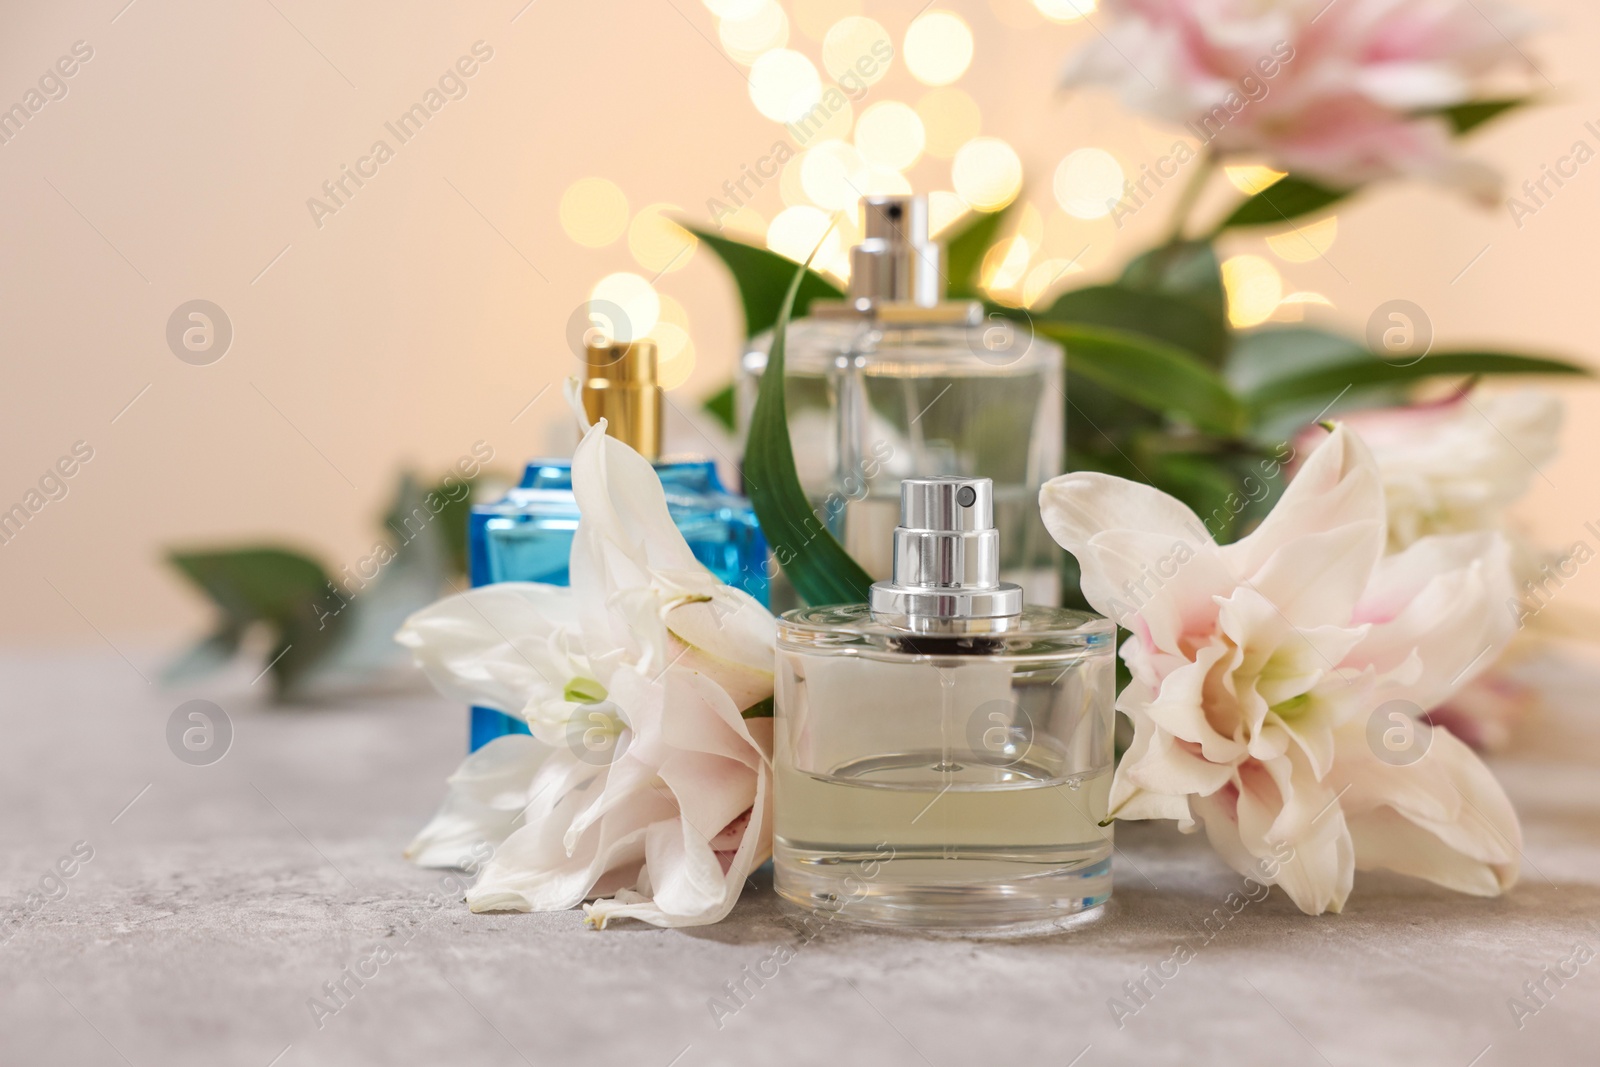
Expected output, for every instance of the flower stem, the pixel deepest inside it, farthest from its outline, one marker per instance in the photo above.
(1190, 196)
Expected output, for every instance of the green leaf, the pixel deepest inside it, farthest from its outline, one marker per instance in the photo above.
(1272, 367)
(288, 592)
(761, 709)
(817, 565)
(965, 249)
(762, 277)
(719, 406)
(1464, 118)
(1207, 486)
(1287, 199)
(1150, 373)
(1171, 319)
(211, 653)
(1187, 269)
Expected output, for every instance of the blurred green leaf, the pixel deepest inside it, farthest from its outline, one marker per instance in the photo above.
(1206, 485)
(209, 654)
(964, 251)
(288, 592)
(1284, 200)
(763, 277)
(1174, 320)
(817, 565)
(1271, 367)
(1150, 373)
(1464, 118)
(1185, 269)
(719, 405)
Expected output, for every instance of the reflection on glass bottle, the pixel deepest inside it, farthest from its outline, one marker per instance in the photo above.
(943, 755)
(527, 535)
(896, 380)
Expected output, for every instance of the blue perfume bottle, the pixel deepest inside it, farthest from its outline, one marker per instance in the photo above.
(526, 536)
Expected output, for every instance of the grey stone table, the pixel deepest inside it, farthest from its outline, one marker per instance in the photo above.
(220, 899)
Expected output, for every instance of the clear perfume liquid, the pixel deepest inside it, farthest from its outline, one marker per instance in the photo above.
(943, 782)
(870, 404)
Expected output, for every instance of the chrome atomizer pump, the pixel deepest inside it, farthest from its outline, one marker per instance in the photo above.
(943, 753)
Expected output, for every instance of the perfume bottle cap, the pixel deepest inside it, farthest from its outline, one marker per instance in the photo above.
(895, 263)
(946, 557)
(619, 385)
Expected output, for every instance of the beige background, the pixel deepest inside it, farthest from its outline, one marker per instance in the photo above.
(430, 310)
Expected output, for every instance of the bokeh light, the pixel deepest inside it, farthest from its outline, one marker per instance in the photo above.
(1304, 243)
(734, 9)
(944, 208)
(1253, 179)
(834, 175)
(658, 244)
(882, 181)
(950, 118)
(637, 299)
(796, 231)
(1254, 290)
(594, 212)
(784, 85)
(674, 354)
(938, 47)
(1065, 10)
(746, 39)
(987, 173)
(1088, 183)
(1005, 264)
(816, 17)
(889, 134)
(1044, 278)
(857, 47)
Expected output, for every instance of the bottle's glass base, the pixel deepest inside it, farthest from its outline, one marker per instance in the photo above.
(956, 890)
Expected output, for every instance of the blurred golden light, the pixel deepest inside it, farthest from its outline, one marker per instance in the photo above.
(674, 354)
(836, 127)
(784, 85)
(658, 244)
(987, 173)
(734, 9)
(1086, 243)
(797, 230)
(1004, 264)
(1254, 290)
(1305, 243)
(938, 47)
(641, 308)
(789, 184)
(816, 17)
(594, 212)
(1029, 225)
(1253, 179)
(1292, 308)
(747, 38)
(672, 311)
(950, 118)
(1088, 183)
(881, 181)
(834, 175)
(890, 135)
(1044, 277)
(944, 208)
(1064, 10)
(856, 47)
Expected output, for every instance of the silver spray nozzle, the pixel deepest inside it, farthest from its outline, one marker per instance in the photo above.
(895, 263)
(946, 556)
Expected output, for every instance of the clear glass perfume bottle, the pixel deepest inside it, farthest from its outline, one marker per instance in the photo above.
(527, 535)
(943, 754)
(896, 380)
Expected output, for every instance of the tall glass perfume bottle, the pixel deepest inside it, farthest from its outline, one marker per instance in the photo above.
(943, 754)
(897, 380)
(527, 535)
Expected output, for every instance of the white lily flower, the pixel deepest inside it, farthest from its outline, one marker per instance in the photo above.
(1258, 667)
(642, 780)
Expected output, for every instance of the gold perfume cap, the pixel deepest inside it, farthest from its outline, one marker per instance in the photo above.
(619, 385)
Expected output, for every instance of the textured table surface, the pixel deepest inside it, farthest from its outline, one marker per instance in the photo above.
(220, 899)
